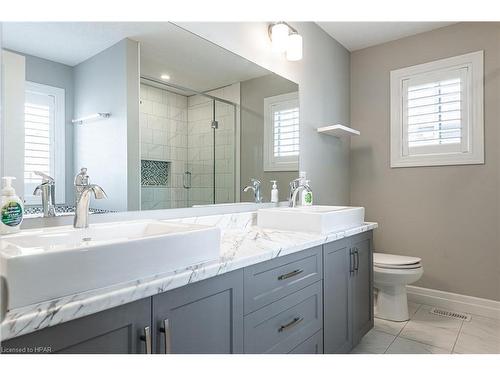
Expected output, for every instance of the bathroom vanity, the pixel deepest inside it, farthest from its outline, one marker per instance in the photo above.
(270, 292)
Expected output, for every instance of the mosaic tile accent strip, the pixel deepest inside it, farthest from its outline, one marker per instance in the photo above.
(154, 173)
(61, 209)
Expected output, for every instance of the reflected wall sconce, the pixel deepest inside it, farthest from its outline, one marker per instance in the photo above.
(286, 39)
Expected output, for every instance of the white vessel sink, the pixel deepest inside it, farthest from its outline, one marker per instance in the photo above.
(44, 264)
(317, 219)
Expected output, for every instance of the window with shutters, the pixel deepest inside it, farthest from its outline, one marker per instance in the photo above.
(43, 139)
(281, 132)
(437, 113)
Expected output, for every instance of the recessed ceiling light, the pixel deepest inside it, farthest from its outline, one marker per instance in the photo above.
(165, 77)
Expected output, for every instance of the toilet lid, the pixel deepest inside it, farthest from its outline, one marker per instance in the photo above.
(395, 261)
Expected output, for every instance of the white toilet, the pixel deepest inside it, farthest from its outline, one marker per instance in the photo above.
(391, 274)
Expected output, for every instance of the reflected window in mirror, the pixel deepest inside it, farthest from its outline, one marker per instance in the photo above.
(281, 132)
(44, 121)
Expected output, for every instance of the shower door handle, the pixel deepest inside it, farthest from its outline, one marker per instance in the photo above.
(187, 180)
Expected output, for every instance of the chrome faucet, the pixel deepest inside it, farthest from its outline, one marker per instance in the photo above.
(256, 190)
(47, 189)
(83, 190)
(297, 186)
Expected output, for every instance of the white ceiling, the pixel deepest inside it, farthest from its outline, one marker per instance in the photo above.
(165, 48)
(358, 35)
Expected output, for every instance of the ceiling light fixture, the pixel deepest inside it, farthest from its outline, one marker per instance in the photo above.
(165, 77)
(286, 39)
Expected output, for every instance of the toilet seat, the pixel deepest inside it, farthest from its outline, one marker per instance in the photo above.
(390, 261)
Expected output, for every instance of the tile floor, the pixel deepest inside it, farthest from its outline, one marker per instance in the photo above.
(427, 333)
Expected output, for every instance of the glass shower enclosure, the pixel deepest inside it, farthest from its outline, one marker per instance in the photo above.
(188, 147)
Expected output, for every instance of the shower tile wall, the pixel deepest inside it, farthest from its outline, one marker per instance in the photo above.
(163, 126)
(200, 146)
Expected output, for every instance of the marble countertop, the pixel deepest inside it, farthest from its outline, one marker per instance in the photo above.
(242, 244)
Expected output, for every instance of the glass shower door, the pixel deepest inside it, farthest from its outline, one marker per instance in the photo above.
(224, 152)
(210, 174)
(199, 177)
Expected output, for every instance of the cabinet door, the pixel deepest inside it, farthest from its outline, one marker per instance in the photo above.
(120, 330)
(362, 290)
(204, 317)
(337, 265)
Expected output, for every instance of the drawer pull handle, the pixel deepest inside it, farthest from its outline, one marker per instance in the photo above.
(293, 323)
(290, 274)
(147, 339)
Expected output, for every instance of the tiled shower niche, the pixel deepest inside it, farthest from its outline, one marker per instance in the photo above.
(155, 190)
(154, 173)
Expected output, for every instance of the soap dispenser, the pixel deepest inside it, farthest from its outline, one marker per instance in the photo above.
(274, 192)
(11, 209)
(307, 195)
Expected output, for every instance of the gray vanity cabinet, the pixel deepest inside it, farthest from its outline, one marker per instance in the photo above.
(120, 330)
(337, 301)
(205, 317)
(362, 285)
(348, 295)
(311, 301)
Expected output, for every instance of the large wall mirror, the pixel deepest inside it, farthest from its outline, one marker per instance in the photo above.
(160, 117)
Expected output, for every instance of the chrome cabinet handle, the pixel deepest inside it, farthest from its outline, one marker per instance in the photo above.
(147, 339)
(290, 274)
(356, 252)
(351, 261)
(293, 323)
(166, 332)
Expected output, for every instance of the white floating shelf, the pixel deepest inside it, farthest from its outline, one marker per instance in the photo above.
(338, 131)
(92, 117)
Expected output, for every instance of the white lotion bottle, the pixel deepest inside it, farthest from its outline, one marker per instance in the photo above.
(274, 192)
(11, 208)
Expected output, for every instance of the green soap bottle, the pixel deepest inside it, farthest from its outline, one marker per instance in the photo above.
(307, 195)
(11, 208)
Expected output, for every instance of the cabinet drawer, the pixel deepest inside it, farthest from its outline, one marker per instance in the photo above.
(269, 281)
(284, 324)
(313, 345)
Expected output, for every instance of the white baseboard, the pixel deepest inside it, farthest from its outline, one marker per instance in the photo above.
(454, 302)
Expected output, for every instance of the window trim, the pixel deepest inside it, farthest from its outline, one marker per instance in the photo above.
(59, 139)
(473, 153)
(272, 163)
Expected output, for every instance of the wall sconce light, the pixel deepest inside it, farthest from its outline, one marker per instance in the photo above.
(285, 39)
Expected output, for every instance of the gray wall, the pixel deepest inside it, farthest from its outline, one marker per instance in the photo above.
(102, 85)
(323, 78)
(449, 215)
(252, 94)
(57, 75)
